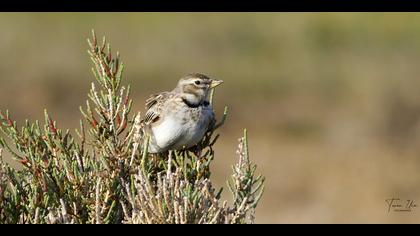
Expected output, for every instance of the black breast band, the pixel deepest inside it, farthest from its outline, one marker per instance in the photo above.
(192, 105)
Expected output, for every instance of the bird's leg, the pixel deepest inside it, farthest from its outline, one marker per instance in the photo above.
(196, 149)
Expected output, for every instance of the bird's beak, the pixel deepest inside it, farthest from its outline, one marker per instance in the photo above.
(215, 83)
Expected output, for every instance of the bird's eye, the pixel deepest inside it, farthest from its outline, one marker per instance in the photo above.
(197, 82)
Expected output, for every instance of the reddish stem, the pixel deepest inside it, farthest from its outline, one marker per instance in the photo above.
(10, 122)
(94, 122)
(51, 126)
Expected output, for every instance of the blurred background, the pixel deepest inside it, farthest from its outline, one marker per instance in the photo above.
(331, 101)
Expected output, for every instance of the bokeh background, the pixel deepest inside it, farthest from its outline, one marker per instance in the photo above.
(331, 100)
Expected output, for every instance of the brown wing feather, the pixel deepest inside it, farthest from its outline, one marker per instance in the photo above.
(154, 105)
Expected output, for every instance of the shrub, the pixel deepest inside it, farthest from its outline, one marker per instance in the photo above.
(104, 173)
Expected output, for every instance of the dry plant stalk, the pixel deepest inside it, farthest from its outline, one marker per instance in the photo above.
(105, 174)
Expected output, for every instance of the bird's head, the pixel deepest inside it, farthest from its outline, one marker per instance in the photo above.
(196, 87)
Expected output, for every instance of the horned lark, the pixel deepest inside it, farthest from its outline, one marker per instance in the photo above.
(180, 118)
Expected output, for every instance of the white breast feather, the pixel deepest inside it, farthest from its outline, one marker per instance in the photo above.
(168, 131)
(175, 133)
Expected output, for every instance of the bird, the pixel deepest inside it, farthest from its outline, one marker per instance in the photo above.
(179, 119)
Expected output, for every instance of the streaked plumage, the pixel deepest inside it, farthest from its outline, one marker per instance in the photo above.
(180, 118)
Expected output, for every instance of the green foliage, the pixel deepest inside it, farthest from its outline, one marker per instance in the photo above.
(105, 174)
